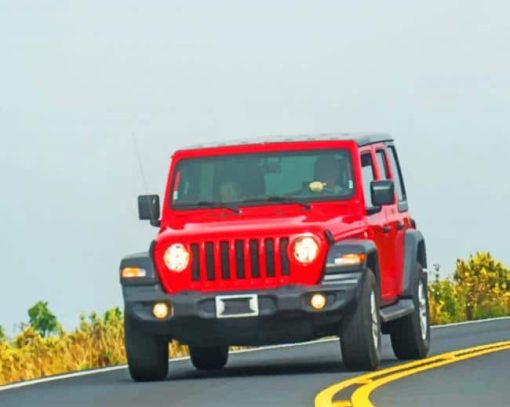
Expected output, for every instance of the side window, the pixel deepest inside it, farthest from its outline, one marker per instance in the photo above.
(397, 174)
(382, 164)
(368, 174)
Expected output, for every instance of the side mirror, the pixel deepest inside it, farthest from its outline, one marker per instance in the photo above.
(383, 192)
(148, 209)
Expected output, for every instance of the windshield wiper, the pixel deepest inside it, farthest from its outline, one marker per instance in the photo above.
(278, 198)
(222, 205)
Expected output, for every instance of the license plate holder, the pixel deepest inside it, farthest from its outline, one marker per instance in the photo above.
(237, 306)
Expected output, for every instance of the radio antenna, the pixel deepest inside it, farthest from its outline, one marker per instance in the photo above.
(140, 165)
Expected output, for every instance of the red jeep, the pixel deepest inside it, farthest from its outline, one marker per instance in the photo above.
(275, 241)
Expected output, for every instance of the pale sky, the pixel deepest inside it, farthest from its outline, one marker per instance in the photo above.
(80, 79)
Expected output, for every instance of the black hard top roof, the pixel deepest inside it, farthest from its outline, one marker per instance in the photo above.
(362, 139)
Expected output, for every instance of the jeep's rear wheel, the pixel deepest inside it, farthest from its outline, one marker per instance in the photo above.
(410, 335)
(360, 332)
(147, 354)
(208, 358)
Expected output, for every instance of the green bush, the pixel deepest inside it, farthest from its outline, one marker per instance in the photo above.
(478, 290)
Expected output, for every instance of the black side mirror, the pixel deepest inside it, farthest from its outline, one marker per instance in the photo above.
(148, 209)
(383, 192)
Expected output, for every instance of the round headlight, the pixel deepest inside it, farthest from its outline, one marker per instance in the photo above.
(176, 257)
(306, 250)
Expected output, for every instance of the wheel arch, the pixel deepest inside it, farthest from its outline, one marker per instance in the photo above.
(373, 264)
(415, 251)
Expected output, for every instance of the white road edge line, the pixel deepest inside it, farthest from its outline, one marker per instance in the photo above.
(180, 359)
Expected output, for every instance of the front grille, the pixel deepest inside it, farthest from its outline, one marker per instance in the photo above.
(239, 253)
(229, 260)
(254, 257)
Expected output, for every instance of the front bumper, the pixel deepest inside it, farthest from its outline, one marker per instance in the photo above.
(285, 314)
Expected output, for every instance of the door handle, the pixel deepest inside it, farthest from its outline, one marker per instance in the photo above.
(386, 229)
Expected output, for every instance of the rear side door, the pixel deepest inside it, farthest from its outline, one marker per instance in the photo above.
(397, 215)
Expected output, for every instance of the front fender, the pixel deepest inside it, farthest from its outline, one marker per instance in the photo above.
(359, 246)
(139, 260)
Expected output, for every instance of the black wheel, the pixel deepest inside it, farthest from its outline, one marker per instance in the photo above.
(410, 335)
(360, 333)
(147, 354)
(209, 358)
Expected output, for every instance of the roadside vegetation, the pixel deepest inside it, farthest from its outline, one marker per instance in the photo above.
(43, 348)
(479, 288)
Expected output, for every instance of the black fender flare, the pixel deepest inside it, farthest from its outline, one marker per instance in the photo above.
(144, 261)
(361, 246)
(414, 251)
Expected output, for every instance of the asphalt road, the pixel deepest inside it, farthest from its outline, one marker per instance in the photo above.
(292, 376)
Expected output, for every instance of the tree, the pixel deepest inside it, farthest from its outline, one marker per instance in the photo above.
(42, 319)
(2, 333)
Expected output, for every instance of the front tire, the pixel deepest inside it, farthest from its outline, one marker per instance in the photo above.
(360, 333)
(147, 354)
(208, 358)
(410, 335)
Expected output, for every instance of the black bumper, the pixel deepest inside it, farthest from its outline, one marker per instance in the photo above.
(285, 314)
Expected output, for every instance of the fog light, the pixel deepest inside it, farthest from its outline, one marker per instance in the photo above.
(160, 310)
(318, 301)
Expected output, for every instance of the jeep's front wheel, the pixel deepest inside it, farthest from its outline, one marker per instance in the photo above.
(147, 354)
(410, 335)
(360, 333)
(208, 358)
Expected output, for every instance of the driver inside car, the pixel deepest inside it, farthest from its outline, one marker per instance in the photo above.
(229, 192)
(327, 172)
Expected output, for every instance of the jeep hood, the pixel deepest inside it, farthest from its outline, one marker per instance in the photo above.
(285, 220)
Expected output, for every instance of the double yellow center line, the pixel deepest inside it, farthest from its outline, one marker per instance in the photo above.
(365, 384)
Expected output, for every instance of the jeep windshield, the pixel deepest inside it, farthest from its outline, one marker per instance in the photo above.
(229, 181)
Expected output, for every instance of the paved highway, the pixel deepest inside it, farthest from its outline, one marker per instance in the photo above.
(293, 376)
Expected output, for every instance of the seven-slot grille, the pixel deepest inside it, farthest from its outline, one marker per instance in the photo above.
(240, 259)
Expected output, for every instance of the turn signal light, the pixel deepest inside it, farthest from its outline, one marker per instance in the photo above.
(160, 310)
(351, 259)
(132, 272)
(318, 301)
